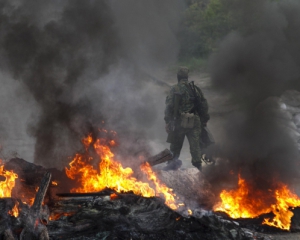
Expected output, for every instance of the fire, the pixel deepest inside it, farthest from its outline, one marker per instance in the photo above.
(113, 196)
(53, 183)
(249, 202)
(29, 201)
(111, 174)
(56, 216)
(160, 188)
(15, 210)
(8, 184)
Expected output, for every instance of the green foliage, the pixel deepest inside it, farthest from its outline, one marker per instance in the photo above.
(194, 64)
(206, 23)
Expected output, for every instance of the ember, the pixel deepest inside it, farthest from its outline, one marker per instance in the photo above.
(248, 202)
(53, 183)
(113, 196)
(56, 216)
(28, 201)
(112, 175)
(15, 210)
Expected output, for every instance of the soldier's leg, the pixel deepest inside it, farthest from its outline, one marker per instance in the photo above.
(177, 143)
(193, 136)
(175, 148)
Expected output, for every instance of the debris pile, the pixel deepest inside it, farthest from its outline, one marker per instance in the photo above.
(103, 215)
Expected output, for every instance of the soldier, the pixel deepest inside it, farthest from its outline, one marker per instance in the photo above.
(186, 114)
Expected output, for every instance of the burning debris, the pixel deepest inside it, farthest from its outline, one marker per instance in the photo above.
(111, 210)
(110, 215)
(8, 184)
(111, 174)
(249, 201)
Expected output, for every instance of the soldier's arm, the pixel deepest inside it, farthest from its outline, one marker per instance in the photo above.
(204, 107)
(169, 106)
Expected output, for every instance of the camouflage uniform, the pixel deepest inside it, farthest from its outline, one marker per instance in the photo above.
(186, 105)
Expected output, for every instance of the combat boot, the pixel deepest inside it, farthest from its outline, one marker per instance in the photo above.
(198, 165)
(173, 165)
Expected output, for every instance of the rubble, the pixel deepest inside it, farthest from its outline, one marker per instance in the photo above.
(111, 215)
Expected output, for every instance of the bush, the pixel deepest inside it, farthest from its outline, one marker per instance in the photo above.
(206, 22)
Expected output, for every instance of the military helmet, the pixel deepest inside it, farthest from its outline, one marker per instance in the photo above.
(183, 72)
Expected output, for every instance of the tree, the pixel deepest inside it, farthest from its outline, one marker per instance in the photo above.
(206, 22)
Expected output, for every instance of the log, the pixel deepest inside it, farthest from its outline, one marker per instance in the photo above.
(161, 157)
(35, 220)
(104, 192)
(40, 195)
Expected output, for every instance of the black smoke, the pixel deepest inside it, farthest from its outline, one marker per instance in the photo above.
(51, 59)
(255, 65)
(83, 63)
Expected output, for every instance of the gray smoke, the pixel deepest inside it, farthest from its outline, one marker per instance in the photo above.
(255, 66)
(83, 63)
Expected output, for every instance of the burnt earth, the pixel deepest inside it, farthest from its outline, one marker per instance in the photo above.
(133, 217)
(99, 216)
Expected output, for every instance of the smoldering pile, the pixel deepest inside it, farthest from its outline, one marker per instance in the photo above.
(105, 214)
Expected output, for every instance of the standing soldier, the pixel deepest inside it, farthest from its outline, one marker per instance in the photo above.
(186, 114)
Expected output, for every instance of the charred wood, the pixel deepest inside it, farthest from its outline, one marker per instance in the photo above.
(38, 215)
(8, 235)
(161, 157)
(101, 216)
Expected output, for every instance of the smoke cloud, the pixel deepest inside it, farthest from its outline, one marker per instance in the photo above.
(83, 63)
(255, 66)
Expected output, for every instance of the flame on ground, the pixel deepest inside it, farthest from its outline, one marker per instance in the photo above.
(111, 174)
(249, 202)
(113, 196)
(28, 201)
(56, 216)
(53, 183)
(15, 210)
(8, 184)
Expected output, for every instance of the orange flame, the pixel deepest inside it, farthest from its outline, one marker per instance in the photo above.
(28, 201)
(160, 188)
(56, 216)
(111, 174)
(53, 183)
(113, 196)
(8, 184)
(15, 210)
(248, 202)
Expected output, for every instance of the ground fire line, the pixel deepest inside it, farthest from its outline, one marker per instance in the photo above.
(109, 184)
(111, 174)
(249, 202)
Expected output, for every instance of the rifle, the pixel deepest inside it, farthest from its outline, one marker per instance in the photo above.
(206, 137)
(197, 100)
